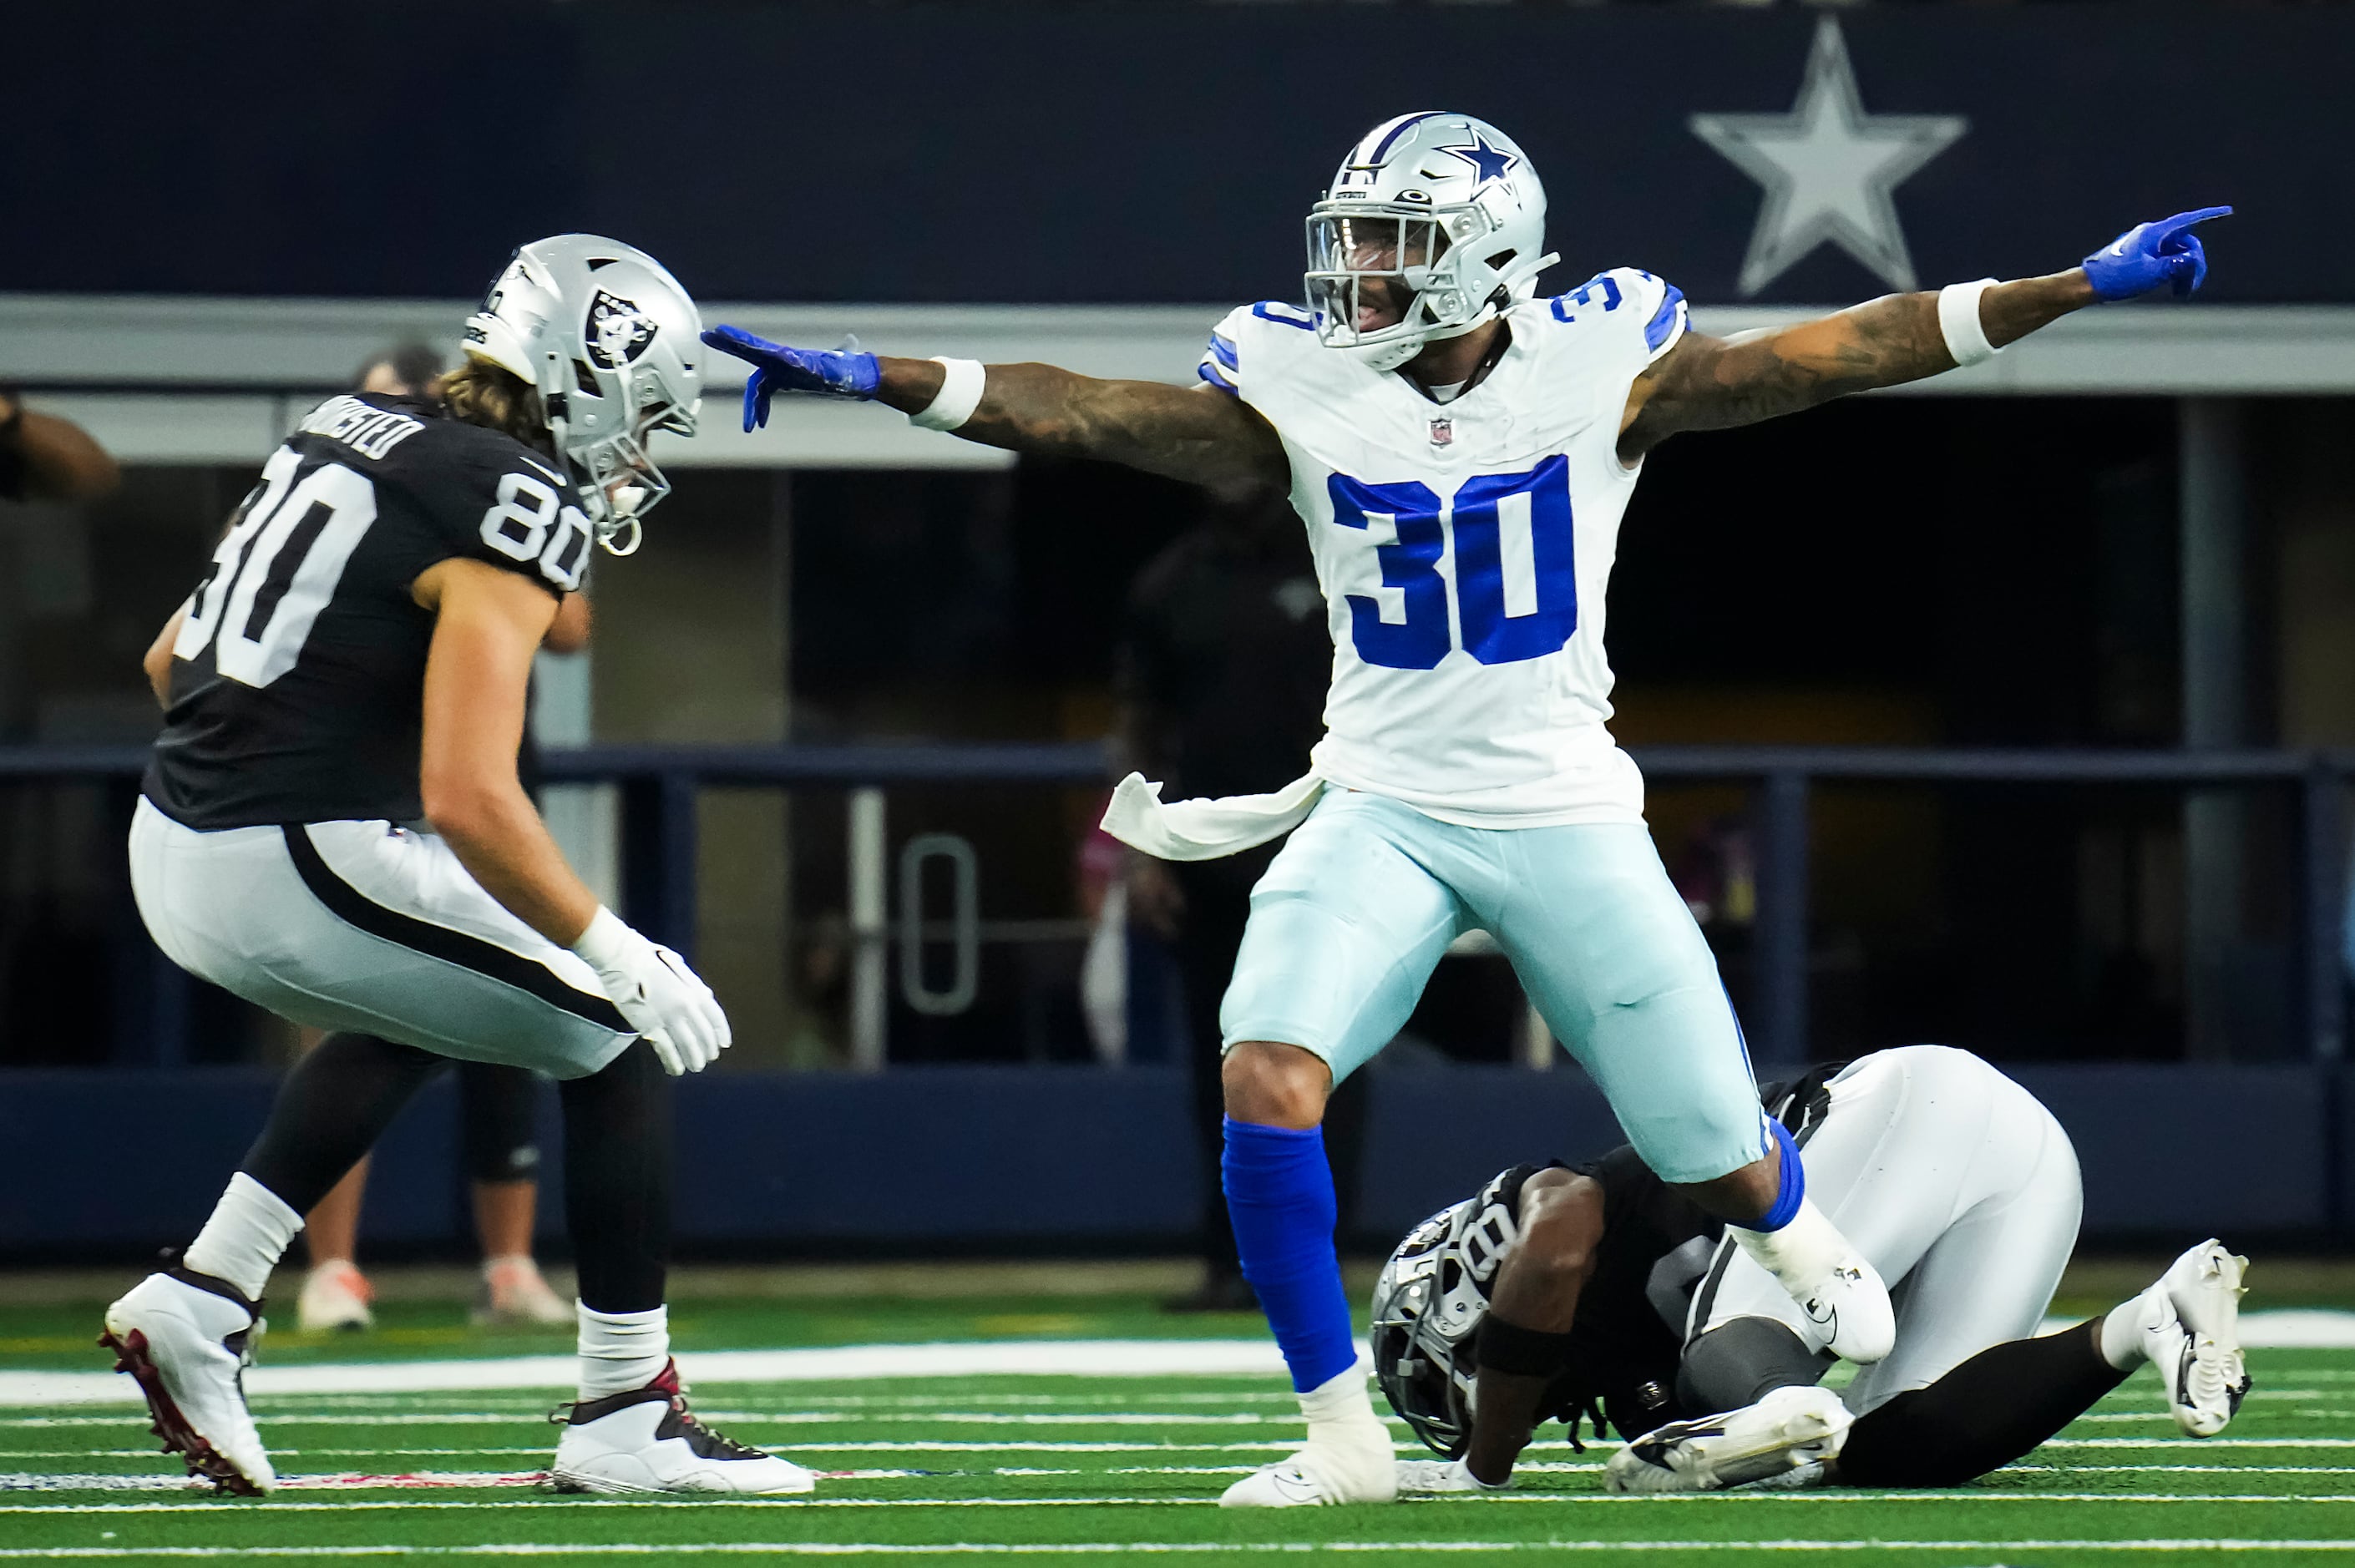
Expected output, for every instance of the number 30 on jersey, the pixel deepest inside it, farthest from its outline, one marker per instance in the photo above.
(1516, 584)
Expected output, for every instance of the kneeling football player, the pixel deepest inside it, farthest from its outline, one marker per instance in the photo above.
(333, 829)
(1598, 1293)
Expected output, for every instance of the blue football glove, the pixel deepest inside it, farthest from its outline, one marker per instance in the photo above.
(2150, 254)
(778, 367)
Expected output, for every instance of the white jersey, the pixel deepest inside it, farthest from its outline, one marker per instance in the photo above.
(1464, 549)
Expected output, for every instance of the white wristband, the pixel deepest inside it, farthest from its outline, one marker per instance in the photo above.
(601, 942)
(1958, 320)
(960, 395)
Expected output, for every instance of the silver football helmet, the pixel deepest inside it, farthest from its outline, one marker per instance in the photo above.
(1435, 219)
(1428, 1304)
(615, 347)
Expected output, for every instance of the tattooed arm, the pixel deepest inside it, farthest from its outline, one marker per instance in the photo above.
(1710, 382)
(1198, 434)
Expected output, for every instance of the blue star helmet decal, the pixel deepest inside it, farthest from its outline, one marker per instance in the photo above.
(1489, 163)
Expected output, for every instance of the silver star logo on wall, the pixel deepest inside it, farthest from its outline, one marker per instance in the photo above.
(1829, 169)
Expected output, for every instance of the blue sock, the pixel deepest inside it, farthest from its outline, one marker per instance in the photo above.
(1280, 1198)
(1794, 1186)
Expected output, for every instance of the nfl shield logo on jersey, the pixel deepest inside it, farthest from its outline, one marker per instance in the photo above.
(1442, 432)
(618, 330)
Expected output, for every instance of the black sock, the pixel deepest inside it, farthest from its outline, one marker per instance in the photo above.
(617, 1181)
(333, 1107)
(1982, 1415)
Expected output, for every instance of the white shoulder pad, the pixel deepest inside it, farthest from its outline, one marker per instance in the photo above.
(1231, 340)
(1631, 306)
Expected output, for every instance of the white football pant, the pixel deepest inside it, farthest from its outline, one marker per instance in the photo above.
(1957, 1185)
(372, 927)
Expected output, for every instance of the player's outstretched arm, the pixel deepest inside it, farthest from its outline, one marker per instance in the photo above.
(1212, 441)
(1709, 383)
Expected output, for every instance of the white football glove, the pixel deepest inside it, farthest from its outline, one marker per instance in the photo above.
(662, 998)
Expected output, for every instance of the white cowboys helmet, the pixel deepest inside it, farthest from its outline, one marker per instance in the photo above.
(1428, 1304)
(614, 346)
(1435, 223)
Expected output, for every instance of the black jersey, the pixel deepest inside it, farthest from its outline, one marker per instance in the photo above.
(1657, 1244)
(298, 679)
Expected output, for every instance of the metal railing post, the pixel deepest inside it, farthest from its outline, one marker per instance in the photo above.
(2325, 885)
(677, 792)
(1781, 932)
(869, 997)
(658, 849)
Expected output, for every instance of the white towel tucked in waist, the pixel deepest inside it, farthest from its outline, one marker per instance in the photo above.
(1205, 829)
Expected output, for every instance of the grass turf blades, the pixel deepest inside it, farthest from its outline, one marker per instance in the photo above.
(1069, 1469)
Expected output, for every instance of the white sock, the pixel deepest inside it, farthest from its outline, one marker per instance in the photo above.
(1801, 1255)
(2125, 1326)
(621, 1351)
(1341, 1411)
(250, 1230)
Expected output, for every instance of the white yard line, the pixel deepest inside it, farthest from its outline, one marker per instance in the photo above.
(1615, 1499)
(1155, 1547)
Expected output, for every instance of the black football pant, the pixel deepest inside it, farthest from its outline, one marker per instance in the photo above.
(338, 1100)
(1989, 1411)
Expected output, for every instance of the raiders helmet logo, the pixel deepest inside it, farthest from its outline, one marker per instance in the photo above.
(618, 332)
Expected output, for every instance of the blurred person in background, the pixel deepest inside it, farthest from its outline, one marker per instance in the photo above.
(44, 458)
(332, 826)
(1221, 688)
(495, 1102)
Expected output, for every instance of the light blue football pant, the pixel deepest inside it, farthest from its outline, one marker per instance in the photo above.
(1354, 913)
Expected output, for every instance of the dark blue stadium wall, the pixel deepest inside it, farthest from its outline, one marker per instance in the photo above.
(1117, 154)
(1020, 1161)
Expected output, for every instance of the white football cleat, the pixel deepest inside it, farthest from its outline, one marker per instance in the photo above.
(1430, 1477)
(187, 1339)
(2194, 1338)
(335, 1296)
(1849, 1314)
(1781, 1441)
(1319, 1475)
(515, 1294)
(646, 1440)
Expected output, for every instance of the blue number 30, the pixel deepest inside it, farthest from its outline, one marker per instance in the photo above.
(1496, 629)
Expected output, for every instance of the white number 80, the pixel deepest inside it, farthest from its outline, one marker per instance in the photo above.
(518, 528)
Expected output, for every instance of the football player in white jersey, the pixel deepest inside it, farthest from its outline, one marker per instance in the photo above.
(1461, 450)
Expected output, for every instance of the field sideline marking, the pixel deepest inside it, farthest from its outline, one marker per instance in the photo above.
(2299, 1328)
(828, 1364)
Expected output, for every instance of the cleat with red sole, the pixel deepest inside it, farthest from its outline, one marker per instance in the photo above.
(185, 1339)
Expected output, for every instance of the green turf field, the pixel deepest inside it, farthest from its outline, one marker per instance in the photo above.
(941, 1469)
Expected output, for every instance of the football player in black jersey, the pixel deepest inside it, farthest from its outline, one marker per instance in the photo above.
(333, 828)
(1600, 1294)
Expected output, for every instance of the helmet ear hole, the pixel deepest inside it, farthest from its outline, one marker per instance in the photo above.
(583, 379)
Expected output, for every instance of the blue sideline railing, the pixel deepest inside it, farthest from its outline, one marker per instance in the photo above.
(658, 787)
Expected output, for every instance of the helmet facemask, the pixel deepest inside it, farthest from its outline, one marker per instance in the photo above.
(1426, 1314)
(616, 476)
(1434, 221)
